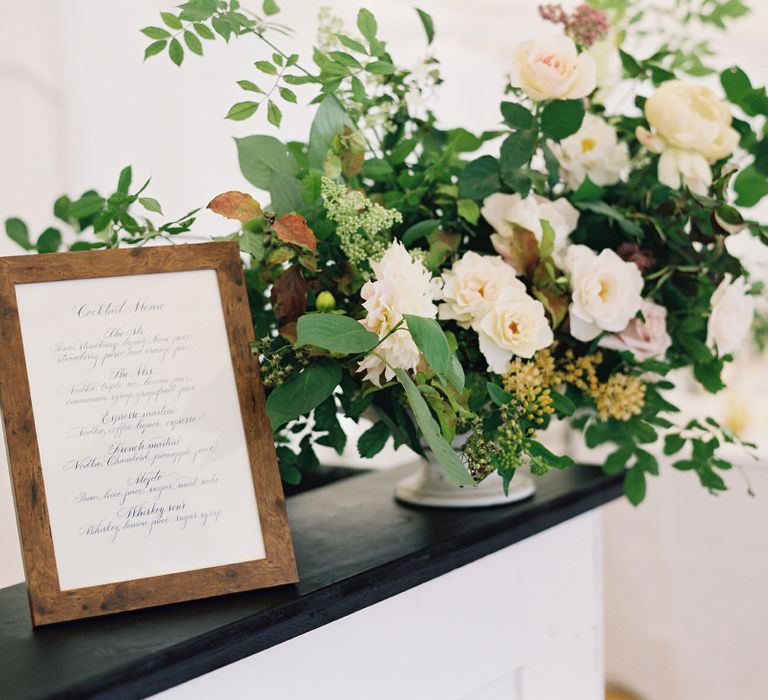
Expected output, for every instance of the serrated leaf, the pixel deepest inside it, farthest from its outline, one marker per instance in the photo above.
(193, 43)
(235, 205)
(517, 116)
(176, 52)
(171, 20)
(274, 115)
(156, 33)
(516, 151)
(561, 118)
(266, 67)
(242, 110)
(154, 48)
(367, 25)
(151, 204)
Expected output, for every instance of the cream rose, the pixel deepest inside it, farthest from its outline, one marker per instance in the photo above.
(691, 129)
(516, 325)
(473, 285)
(731, 317)
(552, 69)
(605, 291)
(401, 285)
(594, 151)
(501, 211)
(643, 338)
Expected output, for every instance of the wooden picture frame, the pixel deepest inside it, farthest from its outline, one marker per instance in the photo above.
(48, 602)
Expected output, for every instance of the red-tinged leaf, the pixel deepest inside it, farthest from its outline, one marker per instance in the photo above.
(524, 249)
(236, 205)
(288, 331)
(289, 295)
(555, 303)
(293, 228)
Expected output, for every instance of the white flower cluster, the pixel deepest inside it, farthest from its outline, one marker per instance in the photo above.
(483, 292)
(401, 285)
(360, 223)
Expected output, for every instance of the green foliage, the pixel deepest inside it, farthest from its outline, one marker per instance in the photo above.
(303, 392)
(561, 118)
(339, 334)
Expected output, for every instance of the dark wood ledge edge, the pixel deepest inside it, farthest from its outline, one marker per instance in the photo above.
(321, 521)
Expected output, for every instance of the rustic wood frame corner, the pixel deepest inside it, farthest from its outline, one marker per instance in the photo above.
(48, 603)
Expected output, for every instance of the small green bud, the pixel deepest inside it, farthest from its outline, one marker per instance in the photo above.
(325, 302)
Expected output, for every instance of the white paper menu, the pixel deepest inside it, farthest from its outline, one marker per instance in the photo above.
(143, 452)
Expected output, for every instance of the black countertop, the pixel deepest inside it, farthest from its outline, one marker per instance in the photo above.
(355, 546)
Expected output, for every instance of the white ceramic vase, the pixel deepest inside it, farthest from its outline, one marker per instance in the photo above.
(430, 486)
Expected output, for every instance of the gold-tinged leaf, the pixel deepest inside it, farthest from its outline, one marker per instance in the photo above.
(293, 228)
(236, 205)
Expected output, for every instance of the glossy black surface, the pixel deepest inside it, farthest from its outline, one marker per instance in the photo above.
(355, 546)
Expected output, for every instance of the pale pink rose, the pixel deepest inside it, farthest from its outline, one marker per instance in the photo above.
(644, 339)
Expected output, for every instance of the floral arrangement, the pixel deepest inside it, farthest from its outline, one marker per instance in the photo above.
(483, 284)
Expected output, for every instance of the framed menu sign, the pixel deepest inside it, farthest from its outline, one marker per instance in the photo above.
(141, 456)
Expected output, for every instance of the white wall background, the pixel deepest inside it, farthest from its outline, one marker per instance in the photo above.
(686, 575)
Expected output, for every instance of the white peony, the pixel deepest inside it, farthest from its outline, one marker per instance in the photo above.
(552, 69)
(643, 338)
(401, 286)
(516, 325)
(594, 150)
(605, 291)
(691, 129)
(731, 317)
(503, 210)
(473, 285)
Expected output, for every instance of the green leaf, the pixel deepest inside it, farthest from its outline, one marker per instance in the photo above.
(171, 20)
(517, 116)
(673, 443)
(498, 395)
(330, 120)
(18, 232)
(480, 178)
(300, 394)
(274, 115)
(250, 86)
(287, 193)
(736, 84)
(561, 118)
(88, 205)
(617, 461)
(124, 180)
(455, 374)
(262, 156)
(588, 191)
(334, 333)
(429, 25)
(516, 151)
(634, 485)
(468, 210)
(372, 441)
(538, 451)
(419, 230)
(49, 241)
(270, 7)
(287, 94)
(266, 67)
(750, 186)
(155, 33)
(154, 48)
(242, 110)
(441, 448)
(605, 209)
(647, 462)
(377, 169)
(380, 68)
(193, 43)
(367, 25)
(204, 31)
(176, 52)
(151, 204)
(252, 243)
(431, 340)
(561, 403)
